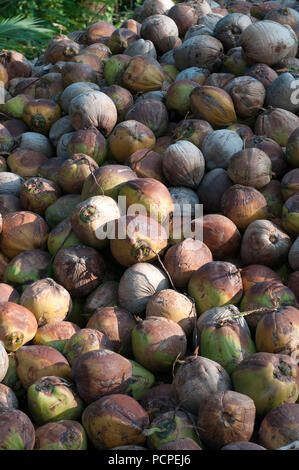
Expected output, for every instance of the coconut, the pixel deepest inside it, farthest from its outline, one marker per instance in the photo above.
(37, 143)
(16, 127)
(243, 205)
(209, 53)
(73, 72)
(219, 147)
(93, 108)
(241, 445)
(280, 426)
(129, 136)
(63, 435)
(40, 114)
(61, 236)
(132, 25)
(10, 183)
(106, 295)
(61, 209)
(141, 47)
(219, 180)
(193, 130)
(255, 273)
(49, 87)
(156, 7)
(191, 161)
(278, 124)
(92, 220)
(115, 420)
(158, 400)
(79, 269)
(50, 169)
(25, 162)
(292, 153)
(151, 113)
(9, 203)
(8, 294)
(24, 86)
(151, 196)
(219, 80)
(215, 284)
(120, 39)
(14, 107)
(143, 73)
(172, 305)
(8, 398)
(107, 180)
(273, 150)
(184, 259)
(196, 379)
(170, 426)
(37, 194)
(230, 27)
(278, 332)
(262, 72)
(178, 96)
(265, 295)
(280, 92)
(250, 103)
(22, 231)
(89, 142)
(185, 443)
(101, 372)
(290, 184)
(290, 215)
(226, 417)
(35, 362)
(98, 31)
(263, 242)
(147, 164)
(55, 334)
(184, 15)
(61, 48)
(122, 99)
(221, 235)
(17, 431)
(137, 239)
(60, 127)
(73, 172)
(73, 90)
(166, 341)
(224, 337)
(250, 167)
(234, 62)
(138, 283)
(83, 341)
(92, 61)
(17, 325)
(269, 379)
(116, 324)
(115, 68)
(15, 63)
(52, 399)
(11, 378)
(161, 30)
(47, 300)
(140, 382)
(278, 41)
(28, 267)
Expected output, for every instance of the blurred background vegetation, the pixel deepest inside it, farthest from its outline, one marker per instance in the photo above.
(27, 25)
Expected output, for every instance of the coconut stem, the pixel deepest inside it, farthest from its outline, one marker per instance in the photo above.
(257, 310)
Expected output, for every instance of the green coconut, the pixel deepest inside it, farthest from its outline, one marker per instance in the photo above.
(62, 236)
(140, 382)
(11, 378)
(61, 209)
(62, 435)
(55, 334)
(269, 379)
(223, 338)
(52, 399)
(169, 427)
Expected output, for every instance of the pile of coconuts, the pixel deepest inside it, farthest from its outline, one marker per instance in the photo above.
(144, 341)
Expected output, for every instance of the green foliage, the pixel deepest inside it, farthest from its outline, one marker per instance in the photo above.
(31, 22)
